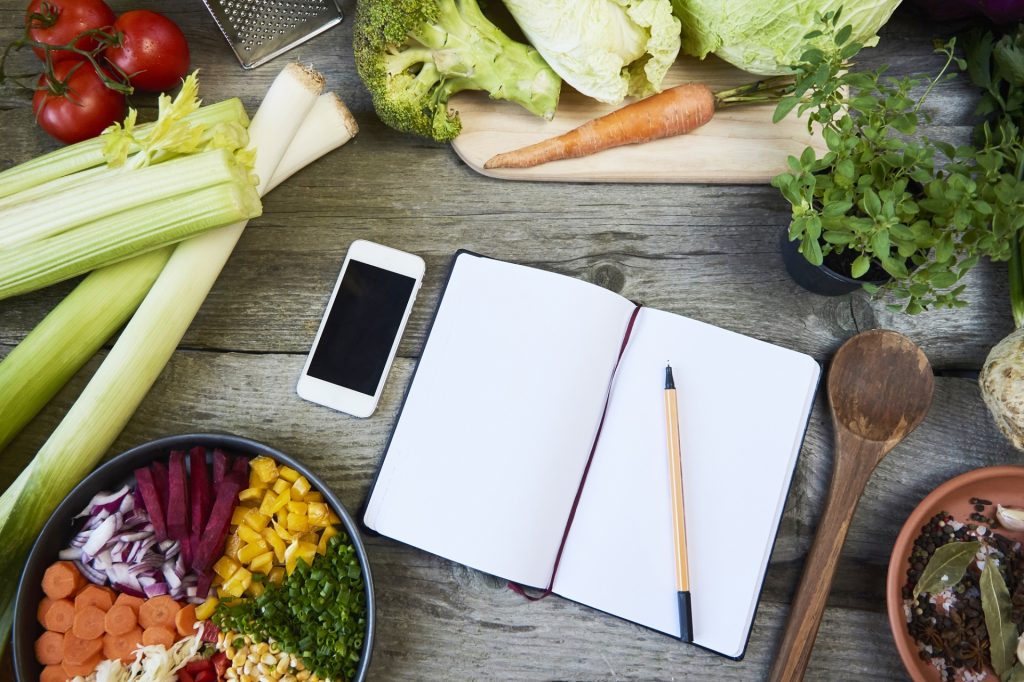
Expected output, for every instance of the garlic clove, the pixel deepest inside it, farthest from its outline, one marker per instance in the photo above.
(1012, 518)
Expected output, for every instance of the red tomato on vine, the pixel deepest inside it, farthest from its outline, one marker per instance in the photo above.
(78, 105)
(58, 22)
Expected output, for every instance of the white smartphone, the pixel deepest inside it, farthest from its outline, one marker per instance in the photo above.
(359, 333)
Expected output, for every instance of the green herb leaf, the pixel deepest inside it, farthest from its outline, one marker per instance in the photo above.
(946, 567)
(1002, 633)
(860, 266)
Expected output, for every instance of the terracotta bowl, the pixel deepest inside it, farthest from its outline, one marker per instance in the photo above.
(1003, 485)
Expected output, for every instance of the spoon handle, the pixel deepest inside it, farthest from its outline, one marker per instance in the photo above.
(848, 480)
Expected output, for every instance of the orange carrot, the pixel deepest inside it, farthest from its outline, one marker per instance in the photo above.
(134, 602)
(88, 622)
(83, 669)
(50, 648)
(53, 673)
(675, 111)
(122, 646)
(61, 580)
(78, 650)
(159, 611)
(120, 619)
(94, 595)
(61, 616)
(158, 634)
(185, 621)
(44, 605)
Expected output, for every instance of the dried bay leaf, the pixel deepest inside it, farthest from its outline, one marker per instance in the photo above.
(946, 567)
(1002, 633)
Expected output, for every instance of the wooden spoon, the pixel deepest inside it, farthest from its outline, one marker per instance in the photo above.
(880, 388)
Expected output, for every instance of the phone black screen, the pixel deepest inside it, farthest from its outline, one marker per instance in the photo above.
(361, 327)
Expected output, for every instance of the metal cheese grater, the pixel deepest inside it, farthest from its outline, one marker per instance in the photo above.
(259, 30)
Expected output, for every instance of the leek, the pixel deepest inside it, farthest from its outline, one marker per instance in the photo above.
(90, 153)
(49, 356)
(123, 235)
(148, 341)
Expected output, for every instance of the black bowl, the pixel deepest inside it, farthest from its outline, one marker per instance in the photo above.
(58, 531)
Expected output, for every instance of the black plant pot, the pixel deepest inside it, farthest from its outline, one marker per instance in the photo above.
(817, 279)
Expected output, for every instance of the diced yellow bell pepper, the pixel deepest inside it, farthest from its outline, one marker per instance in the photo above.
(225, 567)
(281, 502)
(269, 499)
(255, 589)
(206, 609)
(249, 536)
(276, 575)
(238, 583)
(250, 495)
(280, 485)
(262, 563)
(297, 507)
(300, 487)
(282, 531)
(238, 514)
(247, 553)
(310, 537)
(255, 520)
(265, 468)
(298, 550)
(298, 523)
(329, 532)
(232, 546)
(276, 543)
(313, 496)
(288, 474)
(316, 511)
(256, 482)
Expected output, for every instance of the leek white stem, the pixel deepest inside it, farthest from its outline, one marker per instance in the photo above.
(329, 123)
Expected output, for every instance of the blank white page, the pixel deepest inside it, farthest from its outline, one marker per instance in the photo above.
(743, 408)
(490, 446)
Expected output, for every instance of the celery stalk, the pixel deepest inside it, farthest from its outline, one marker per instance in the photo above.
(49, 356)
(145, 346)
(123, 235)
(110, 193)
(89, 153)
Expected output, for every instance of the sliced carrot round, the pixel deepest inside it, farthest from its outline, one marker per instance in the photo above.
(50, 648)
(78, 650)
(185, 621)
(119, 619)
(159, 635)
(128, 600)
(83, 669)
(94, 595)
(60, 617)
(122, 646)
(53, 673)
(61, 580)
(44, 605)
(88, 623)
(159, 612)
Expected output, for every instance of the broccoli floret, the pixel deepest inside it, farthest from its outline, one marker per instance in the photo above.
(414, 54)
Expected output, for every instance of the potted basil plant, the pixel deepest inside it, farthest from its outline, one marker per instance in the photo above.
(885, 207)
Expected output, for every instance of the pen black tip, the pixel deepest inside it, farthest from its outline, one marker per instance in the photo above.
(670, 382)
(685, 617)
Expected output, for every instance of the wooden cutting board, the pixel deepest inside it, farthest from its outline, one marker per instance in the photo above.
(739, 145)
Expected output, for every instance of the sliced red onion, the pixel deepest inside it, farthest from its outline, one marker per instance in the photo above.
(129, 590)
(173, 579)
(70, 554)
(91, 574)
(101, 535)
(155, 590)
(136, 536)
(108, 502)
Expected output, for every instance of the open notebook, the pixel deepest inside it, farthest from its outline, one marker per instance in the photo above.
(489, 449)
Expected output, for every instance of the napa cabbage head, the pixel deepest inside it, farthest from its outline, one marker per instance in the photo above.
(767, 36)
(606, 49)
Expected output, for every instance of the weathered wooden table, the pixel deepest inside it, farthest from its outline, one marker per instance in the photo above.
(709, 252)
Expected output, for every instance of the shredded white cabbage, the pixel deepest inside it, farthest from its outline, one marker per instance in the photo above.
(152, 663)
